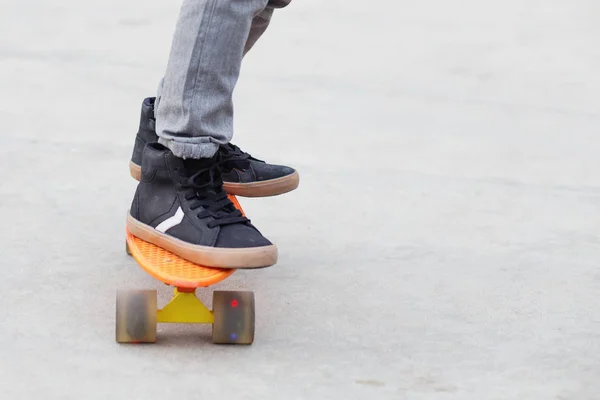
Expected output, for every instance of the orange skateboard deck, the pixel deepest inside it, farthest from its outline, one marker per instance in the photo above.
(172, 269)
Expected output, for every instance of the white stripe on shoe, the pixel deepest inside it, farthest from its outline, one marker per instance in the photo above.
(171, 221)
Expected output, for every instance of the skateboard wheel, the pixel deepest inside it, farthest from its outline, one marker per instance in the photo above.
(136, 316)
(234, 317)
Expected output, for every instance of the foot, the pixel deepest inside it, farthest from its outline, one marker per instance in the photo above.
(180, 205)
(243, 175)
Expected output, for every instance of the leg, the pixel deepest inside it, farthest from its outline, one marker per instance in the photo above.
(180, 203)
(194, 114)
(260, 23)
(243, 174)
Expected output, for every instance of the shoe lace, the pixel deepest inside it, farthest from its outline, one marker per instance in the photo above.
(205, 190)
(232, 157)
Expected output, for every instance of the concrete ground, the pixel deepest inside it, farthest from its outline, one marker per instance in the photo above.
(444, 242)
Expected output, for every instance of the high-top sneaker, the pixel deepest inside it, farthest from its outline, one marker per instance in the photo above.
(180, 205)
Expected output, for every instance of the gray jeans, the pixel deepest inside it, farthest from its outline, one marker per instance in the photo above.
(194, 110)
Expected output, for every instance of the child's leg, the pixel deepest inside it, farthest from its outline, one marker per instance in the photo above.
(194, 113)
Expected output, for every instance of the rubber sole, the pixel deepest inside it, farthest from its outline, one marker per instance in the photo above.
(272, 187)
(251, 257)
(135, 170)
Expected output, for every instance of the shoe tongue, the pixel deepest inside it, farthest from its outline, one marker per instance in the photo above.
(194, 165)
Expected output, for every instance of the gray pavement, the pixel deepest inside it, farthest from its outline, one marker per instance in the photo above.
(444, 242)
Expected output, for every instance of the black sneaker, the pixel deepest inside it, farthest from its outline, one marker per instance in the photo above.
(180, 205)
(243, 175)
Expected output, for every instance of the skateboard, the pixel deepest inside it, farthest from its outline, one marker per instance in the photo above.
(232, 316)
